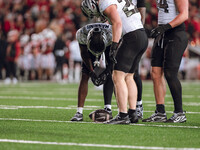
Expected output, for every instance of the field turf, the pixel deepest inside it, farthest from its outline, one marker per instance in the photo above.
(36, 115)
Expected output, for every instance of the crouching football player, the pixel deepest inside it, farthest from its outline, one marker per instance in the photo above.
(94, 40)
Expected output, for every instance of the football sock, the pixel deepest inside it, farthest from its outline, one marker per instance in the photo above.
(138, 82)
(160, 108)
(175, 88)
(107, 106)
(108, 91)
(80, 110)
(139, 103)
(131, 111)
(123, 115)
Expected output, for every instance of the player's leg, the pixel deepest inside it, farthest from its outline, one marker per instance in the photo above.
(107, 93)
(158, 84)
(121, 93)
(108, 85)
(174, 52)
(132, 97)
(82, 93)
(139, 106)
(134, 114)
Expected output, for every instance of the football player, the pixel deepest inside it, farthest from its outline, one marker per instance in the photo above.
(126, 23)
(169, 45)
(94, 39)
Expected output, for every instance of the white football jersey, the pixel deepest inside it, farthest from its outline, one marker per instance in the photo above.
(81, 34)
(166, 11)
(130, 21)
(134, 2)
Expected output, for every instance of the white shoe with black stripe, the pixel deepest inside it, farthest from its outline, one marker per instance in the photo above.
(177, 118)
(156, 117)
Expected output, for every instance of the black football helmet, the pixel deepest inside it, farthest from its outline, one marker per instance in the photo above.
(96, 41)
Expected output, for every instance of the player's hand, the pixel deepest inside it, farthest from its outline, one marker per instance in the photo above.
(92, 74)
(101, 79)
(113, 52)
(160, 30)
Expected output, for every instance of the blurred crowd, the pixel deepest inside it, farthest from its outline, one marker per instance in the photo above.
(37, 39)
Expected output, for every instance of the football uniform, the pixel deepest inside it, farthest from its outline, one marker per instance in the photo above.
(168, 51)
(130, 16)
(134, 39)
(81, 37)
(167, 11)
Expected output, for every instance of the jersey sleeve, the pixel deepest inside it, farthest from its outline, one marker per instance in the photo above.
(103, 4)
(81, 37)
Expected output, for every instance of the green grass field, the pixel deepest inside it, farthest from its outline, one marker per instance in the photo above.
(36, 116)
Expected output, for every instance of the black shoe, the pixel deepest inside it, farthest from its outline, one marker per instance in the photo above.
(139, 110)
(77, 117)
(177, 118)
(133, 117)
(156, 117)
(118, 120)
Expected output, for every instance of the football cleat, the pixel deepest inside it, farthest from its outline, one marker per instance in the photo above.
(119, 120)
(133, 117)
(156, 117)
(177, 118)
(101, 115)
(139, 111)
(77, 117)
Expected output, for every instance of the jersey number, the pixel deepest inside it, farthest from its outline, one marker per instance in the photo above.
(163, 4)
(128, 8)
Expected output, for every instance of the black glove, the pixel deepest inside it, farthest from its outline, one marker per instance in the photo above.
(113, 52)
(92, 74)
(160, 30)
(101, 79)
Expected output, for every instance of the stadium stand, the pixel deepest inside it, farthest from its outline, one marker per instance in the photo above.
(40, 22)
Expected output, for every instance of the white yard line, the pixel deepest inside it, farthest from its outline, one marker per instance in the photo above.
(45, 98)
(58, 121)
(86, 107)
(46, 107)
(94, 145)
(74, 99)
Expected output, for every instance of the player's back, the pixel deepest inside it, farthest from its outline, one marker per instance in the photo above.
(130, 16)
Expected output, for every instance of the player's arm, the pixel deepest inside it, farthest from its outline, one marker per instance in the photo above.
(112, 14)
(142, 9)
(85, 56)
(182, 6)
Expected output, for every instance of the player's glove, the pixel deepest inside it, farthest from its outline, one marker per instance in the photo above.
(94, 78)
(92, 74)
(97, 81)
(100, 79)
(160, 30)
(113, 52)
